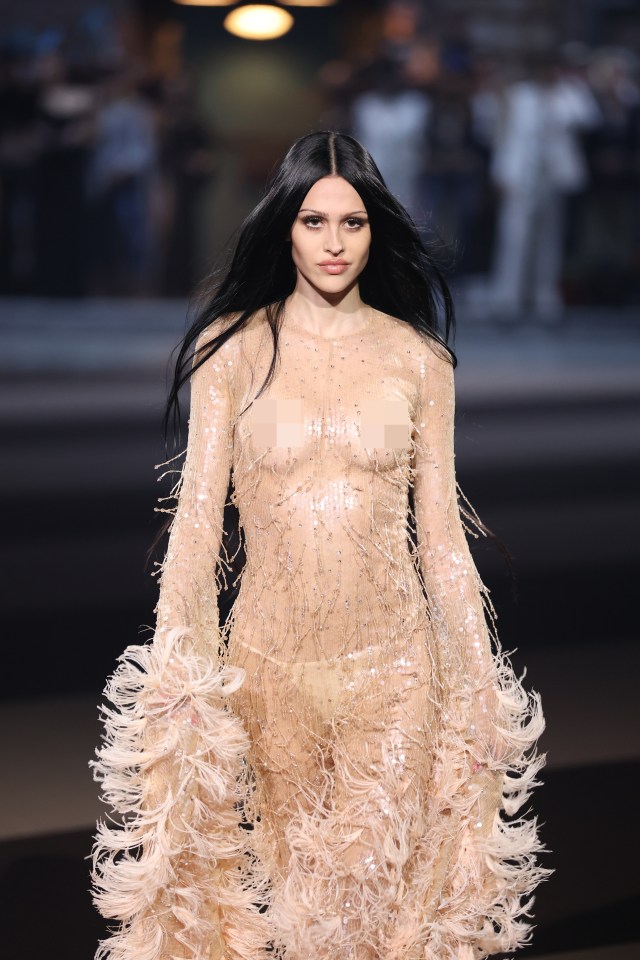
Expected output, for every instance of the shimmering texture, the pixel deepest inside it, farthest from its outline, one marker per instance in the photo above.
(327, 776)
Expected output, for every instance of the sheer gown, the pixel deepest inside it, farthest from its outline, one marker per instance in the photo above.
(339, 772)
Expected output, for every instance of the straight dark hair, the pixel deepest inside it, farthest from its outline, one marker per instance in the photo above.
(402, 277)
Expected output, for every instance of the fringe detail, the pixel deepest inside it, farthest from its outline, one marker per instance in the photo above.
(378, 872)
(178, 872)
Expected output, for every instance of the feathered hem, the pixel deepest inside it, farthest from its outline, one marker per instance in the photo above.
(376, 868)
(177, 872)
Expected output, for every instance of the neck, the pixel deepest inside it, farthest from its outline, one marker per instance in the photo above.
(319, 313)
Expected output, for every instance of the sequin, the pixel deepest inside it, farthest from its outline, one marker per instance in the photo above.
(362, 684)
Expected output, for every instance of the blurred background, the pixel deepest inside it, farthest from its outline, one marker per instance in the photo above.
(134, 137)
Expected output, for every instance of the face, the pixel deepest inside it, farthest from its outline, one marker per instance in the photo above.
(330, 237)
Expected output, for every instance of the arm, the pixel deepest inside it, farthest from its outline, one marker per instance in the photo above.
(490, 724)
(188, 584)
(456, 595)
(171, 763)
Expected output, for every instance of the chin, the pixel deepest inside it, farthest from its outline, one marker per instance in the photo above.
(334, 285)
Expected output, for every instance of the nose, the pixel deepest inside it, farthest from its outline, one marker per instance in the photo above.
(333, 242)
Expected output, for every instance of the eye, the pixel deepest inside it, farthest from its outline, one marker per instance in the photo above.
(312, 222)
(355, 223)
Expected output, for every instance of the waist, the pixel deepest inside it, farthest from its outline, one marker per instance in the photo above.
(339, 661)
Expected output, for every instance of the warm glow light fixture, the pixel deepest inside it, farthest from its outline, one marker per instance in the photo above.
(309, 3)
(205, 3)
(258, 21)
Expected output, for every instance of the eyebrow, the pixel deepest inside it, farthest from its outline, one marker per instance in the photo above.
(321, 214)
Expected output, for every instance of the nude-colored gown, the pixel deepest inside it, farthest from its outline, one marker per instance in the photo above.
(328, 778)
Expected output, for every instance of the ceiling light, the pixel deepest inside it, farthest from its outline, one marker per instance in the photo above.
(258, 21)
(205, 3)
(309, 3)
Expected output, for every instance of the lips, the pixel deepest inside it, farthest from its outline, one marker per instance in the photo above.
(334, 266)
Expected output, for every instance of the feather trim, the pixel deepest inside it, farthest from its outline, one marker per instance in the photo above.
(378, 868)
(177, 871)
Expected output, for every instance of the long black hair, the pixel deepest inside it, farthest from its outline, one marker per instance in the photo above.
(402, 277)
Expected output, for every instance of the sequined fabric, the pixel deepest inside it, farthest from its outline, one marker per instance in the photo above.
(337, 774)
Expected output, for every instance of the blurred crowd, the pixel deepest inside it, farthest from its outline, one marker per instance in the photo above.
(526, 169)
(101, 166)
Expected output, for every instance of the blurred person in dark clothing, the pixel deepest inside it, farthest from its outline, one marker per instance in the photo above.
(455, 163)
(66, 109)
(188, 161)
(609, 248)
(390, 119)
(22, 140)
(400, 26)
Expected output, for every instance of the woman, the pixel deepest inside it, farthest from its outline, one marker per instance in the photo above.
(323, 777)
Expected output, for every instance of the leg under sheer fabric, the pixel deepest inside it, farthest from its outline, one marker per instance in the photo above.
(343, 770)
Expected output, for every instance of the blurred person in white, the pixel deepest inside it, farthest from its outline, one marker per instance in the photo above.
(390, 113)
(390, 119)
(537, 161)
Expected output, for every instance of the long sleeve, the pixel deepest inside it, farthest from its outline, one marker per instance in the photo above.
(488, 760)
(172, 761)
(188, 585)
